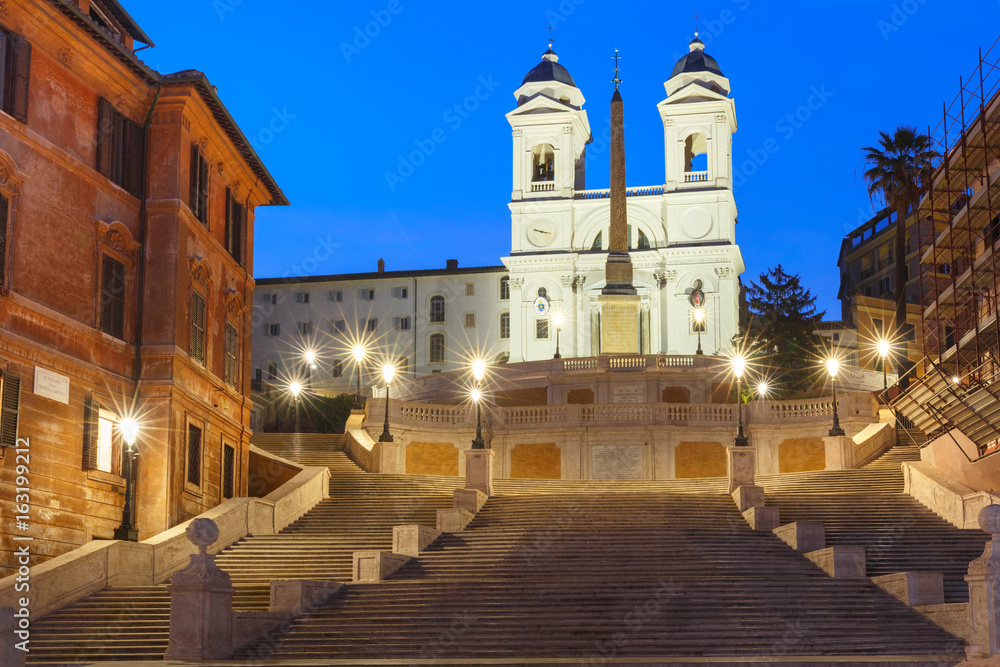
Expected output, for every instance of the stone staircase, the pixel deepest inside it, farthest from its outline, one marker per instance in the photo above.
(132, 623)
(590, 572)
(867, 507)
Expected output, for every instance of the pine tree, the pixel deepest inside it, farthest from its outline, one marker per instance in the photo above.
(782, 329)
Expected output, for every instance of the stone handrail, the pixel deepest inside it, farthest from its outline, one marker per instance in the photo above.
(102, 563)
(610, 414)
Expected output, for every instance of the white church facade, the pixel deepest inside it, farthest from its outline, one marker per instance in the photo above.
(682, 238)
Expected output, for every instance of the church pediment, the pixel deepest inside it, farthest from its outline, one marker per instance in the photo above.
(541, 104)
(696, 91)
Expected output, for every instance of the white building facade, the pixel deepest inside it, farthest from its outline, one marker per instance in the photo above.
(682, 238)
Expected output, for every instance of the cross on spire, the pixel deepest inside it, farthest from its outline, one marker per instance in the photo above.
(696, 17)
(551, 38)
(617, 80)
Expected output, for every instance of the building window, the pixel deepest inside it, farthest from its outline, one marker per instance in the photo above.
(470, 289)
(120, 147)
(336, 296)
(877, 327)
(101, 441)
(198, 195)
(505, 288)
(194, 455)
(403, 365)
(305, 328)
(543, 163)
(400, 292)
(437, 309)
(367, 294)
(643, 242)
(470, 320)
(598, 242)
(337, 369)
(272, 330)
(236, 222)
(196, 346)
(909, 333)
(302, 297)
(403, 323)
(436, 349)
(836, 338)
(15, 73)
(272, 371)
(542, 329)
(232, 346)
(228, 470)
(112, 297)
(339, 326)
(868, 290)
(4, 213)
(883, 285)
(505, 325)
(371, 324)
(10, 404)
(945, 269)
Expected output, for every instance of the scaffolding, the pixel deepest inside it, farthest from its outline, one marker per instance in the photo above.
(959, 238)
(959, 241)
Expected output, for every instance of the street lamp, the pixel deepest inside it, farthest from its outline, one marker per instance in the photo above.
(359, 355)
(762, 389)
(129, 430)
(295, 388)
(478, 371)
(310, 358)
(832, 366)
(387, 372)
(739, 365)
(699, 319)
(883, 351)
(557, 319)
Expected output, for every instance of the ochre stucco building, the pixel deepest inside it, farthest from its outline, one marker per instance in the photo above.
(127, 218)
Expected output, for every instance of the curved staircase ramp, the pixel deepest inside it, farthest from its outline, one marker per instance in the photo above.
(867, 507)
(132, 623)
(582, 575)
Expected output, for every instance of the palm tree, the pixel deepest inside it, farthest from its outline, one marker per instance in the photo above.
(897, 171)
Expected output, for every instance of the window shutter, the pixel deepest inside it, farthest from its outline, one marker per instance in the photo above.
(107, 293)
(197, 343)
(9, 405)
(135, 147)
(21, 78)
(228, 232)
(241, 234)
(4, 210)
(91, 415)
(3, 69)
(193, 193)
(105, 134)
(203, 190)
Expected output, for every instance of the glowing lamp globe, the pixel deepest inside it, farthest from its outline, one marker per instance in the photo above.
(295, 388)
(129, 428)
(832, 366)
(478, 369)
(739, 365)
(388, 371)
(359, 352)
(883, 348)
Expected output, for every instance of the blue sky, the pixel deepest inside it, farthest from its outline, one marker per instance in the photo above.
(331, 112)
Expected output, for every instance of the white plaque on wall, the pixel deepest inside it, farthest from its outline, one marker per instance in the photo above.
(616, 462)
(629, 394)
(52, 385)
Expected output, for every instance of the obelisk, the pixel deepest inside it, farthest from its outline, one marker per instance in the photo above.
(618, 300)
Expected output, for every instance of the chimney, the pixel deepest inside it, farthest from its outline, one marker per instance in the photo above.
(451, 264)
(381, 265)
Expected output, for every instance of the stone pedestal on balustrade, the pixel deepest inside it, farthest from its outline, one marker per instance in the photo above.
(201, 603)
(741, 466)
(984, 588)
(479, 470)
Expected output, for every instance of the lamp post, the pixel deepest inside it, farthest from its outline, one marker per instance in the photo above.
(739, 365)
(762, 389)
(295, 388)
(557, 319)
(699, 318)
(478, 371)
(359, 356)
(387, 372)
(883, 351)
(129, 429)
(832, 366)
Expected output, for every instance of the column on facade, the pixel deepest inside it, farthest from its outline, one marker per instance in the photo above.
(595, 327)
